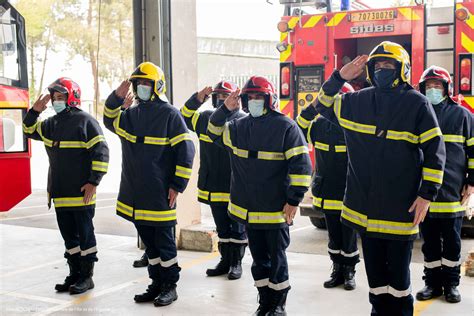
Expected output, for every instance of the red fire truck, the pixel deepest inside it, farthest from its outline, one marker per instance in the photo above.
(15, 178)
(313, 45)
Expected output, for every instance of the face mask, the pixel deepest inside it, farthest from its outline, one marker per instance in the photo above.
(384, 77)
(434, 95)
(144, 92)
(219, 103)
(59, 106)
(256, 107)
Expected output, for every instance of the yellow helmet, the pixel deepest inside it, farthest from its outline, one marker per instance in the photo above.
(394, 51)
(152, 72)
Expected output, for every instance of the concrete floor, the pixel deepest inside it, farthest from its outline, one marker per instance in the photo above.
(31, 263)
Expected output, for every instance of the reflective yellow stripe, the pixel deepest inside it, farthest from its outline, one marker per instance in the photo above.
(317, 201)
(353, 216)
(203, 194)
(321, 146)
(300, 180)
(429, 134)
(390, 227)
(357, 127)
(31, 129)
(454, 138)
(470, 141)
(183, 172)
(433, 175)
(228, 142)
(304, 123)
(446, 207)
(332, 205)
(220, 197)
(156, 140)
(155, 216)
(72, 201)
(195, 119)
(124, 208)
(325, 100)
(406, 136)
(470, 163)
(91, 143)
(80, 144)
(216, 130)
(237, 211)
(341, 148)
(205, 138)
(122, 133)
(296, 151)
(100, 166)
(111, 113)
(178, 139)
(266, 217)
(337, 106)
(268, 155)
(187, 112)
(48, 142)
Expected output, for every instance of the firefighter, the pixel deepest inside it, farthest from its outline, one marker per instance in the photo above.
(78, 159)
(328, 187)
(271, 171)
(157, 157)
(441, 230)
(396, 158)
(214, 179)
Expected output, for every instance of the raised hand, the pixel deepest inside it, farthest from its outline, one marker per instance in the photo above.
(41, 104)
(354, 69)
(127, 101)
(232, 102)
(203, 95)
(123, 89)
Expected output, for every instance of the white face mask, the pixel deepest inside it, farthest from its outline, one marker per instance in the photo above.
(144, 92)
(257, 107)
(59, 106)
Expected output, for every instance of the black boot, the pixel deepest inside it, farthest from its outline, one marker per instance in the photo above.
(237, 253)
(150, 294)
(167, 296)
(348, 273)
(451, 294)
(263, 301)
(336, 277)
(85, 280)
(73, 277)
(278, 302)
(224, 264)
(142, 262)
(429, 292)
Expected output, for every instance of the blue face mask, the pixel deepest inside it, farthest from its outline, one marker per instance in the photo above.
(144, 92)
(434, 95)
(59, 106)
(384, 77)
(257, 107)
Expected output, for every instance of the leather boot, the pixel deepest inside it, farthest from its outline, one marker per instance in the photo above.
(85, 280)
(348, 273)
(150, 294)
(142, 262)
(224, 264)
(451, 294)
(428, 292)
(263, 301)
(73, 277)
(167, 295)
(278, 302)
(336, 277)
(237, 253)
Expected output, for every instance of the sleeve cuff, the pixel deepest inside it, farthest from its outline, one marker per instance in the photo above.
(427, 196)
(337, 75)
(292, 202)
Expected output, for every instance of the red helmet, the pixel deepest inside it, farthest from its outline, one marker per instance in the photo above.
(224, 87)
(437, 73)
(69, 88)
(346, 88)
(260, 85)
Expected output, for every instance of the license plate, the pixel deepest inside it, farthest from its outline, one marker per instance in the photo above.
(373, 16)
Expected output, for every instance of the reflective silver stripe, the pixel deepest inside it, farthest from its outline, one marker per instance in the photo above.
(350, 255)
(124, 209)
(353, 216)
(391, 227)
(195, 119)
(296, 151)
(88, 251)
(357, 127)
(336, 252)
(449, 263)
(433, 175)
(321, 146)
(379, 290)
(341, 148)
(300, 180)
(179, 138)
(73, 250)
(228, 142)
(156, 140)
(432, 264)
(280, 286)
(154, 261)
(203, 194)
(332, 205)
(325, 100)
(237, 211)
(302, 122)
(470, 142)
(317, 201)
(169, 263)
(100, 166)
(454, 138)
(122, 133)
(446, 207)
(470, 164)
(205, 138)
(267, 155)
(224, 240)
(156, 216)
(183, 172)
(111, 113)
(47, 142)
(216, 130)
(429, 134)
(187, 112)
(262, 282)
(72, 201)
(220, 197)
(238, 241)
(29, 129)
(406, 136)
(266, 217)
(387, 289)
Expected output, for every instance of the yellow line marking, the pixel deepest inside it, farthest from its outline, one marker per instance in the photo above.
(421, 306)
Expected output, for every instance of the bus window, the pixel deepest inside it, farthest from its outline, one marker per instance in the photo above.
(8, 43)
(11, 134)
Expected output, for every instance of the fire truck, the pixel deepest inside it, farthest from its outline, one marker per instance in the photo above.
(15, 152)
(313, 45)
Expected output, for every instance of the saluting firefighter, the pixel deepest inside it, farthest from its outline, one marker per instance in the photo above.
(271, 171)
(441, 230)
(329, 183)
(157, 157)
(214, 179)
(396, 157)
(78, 159)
